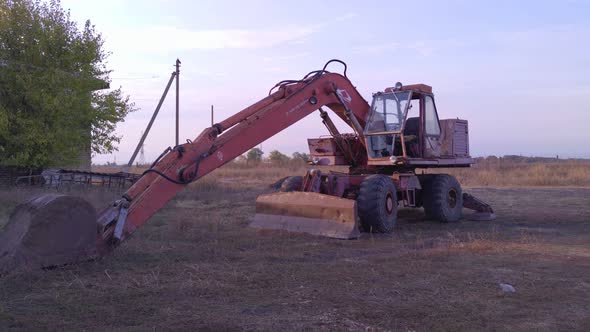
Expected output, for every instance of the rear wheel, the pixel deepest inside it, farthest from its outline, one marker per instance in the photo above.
(442, 198)
(292, 183)
(377, 204)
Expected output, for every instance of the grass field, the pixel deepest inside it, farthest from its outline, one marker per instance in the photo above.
(492, 171)
(197, 266)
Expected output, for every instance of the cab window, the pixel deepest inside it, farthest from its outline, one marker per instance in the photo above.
(388, 112)
(430, 117)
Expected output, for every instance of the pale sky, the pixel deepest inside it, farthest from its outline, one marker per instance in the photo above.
(519, 71)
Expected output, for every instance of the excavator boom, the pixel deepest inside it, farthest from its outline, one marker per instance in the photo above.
(188, 162)
(224, 141)
(387, 147)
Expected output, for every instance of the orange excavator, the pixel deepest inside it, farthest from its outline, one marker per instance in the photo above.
(397, 134)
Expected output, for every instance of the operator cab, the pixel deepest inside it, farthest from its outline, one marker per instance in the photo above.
(394, 126)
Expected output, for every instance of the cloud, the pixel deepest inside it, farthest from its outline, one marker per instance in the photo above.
(345, 17)
(286, 58)
(424, 48)
(542, 34)
(165, 38)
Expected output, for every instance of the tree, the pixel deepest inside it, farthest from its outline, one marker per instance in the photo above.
(51, 76)
(301, 156)
(277, 158)
(254, 155)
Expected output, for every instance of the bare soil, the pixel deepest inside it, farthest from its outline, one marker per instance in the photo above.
(197, 266)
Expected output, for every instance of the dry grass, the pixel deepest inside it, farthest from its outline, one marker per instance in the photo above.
(507, 173)
(197, 266)
(496, 172)
(232, 175)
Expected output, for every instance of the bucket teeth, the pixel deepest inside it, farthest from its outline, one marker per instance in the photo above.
(307, 212)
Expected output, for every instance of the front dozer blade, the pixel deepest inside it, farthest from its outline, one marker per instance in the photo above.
(48, 230)
(307, 212)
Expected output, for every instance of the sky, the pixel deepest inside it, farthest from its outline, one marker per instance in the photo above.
(519, 71)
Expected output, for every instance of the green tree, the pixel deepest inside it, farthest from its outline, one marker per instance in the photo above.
(51, 74)
(254, 155)
(300, 156)
(277, 158)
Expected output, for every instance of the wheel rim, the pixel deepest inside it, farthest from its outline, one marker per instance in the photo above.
(452, 198)
(389, 204)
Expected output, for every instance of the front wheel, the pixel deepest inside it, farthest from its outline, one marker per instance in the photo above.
(442, 198)
(377, 204)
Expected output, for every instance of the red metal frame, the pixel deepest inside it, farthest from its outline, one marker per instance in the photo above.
(230, 138)
(346, 185)
(226, 140)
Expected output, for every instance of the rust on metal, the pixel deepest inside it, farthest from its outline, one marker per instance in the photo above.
(54, 230)
(423, 88)
(454, 138)
(307, 212)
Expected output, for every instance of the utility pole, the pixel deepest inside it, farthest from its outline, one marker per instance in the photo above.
(149, 126)
(177, 96)
(142, 154)
(211, 115)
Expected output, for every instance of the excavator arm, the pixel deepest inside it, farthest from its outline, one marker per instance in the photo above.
(223, 142)
(55, 229)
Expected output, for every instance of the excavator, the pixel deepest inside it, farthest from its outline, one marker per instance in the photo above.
(393, 138)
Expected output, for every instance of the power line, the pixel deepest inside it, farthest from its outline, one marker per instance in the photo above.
(131, 78)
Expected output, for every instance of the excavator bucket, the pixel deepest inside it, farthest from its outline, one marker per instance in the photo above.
(48, 230)
(307, 212)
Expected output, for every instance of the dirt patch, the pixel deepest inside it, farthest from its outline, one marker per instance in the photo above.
(197, 266)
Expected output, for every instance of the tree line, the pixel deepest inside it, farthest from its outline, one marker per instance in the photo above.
(275, 157)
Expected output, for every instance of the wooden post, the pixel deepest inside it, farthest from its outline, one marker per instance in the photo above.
(177, 97)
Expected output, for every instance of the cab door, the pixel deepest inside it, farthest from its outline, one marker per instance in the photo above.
(432, 131)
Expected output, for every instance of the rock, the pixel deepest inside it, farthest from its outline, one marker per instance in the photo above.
(507, 288)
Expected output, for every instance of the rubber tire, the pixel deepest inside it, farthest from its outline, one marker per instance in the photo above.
(372, 204)
(424, 180)
(442, 198)
(292, 183)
